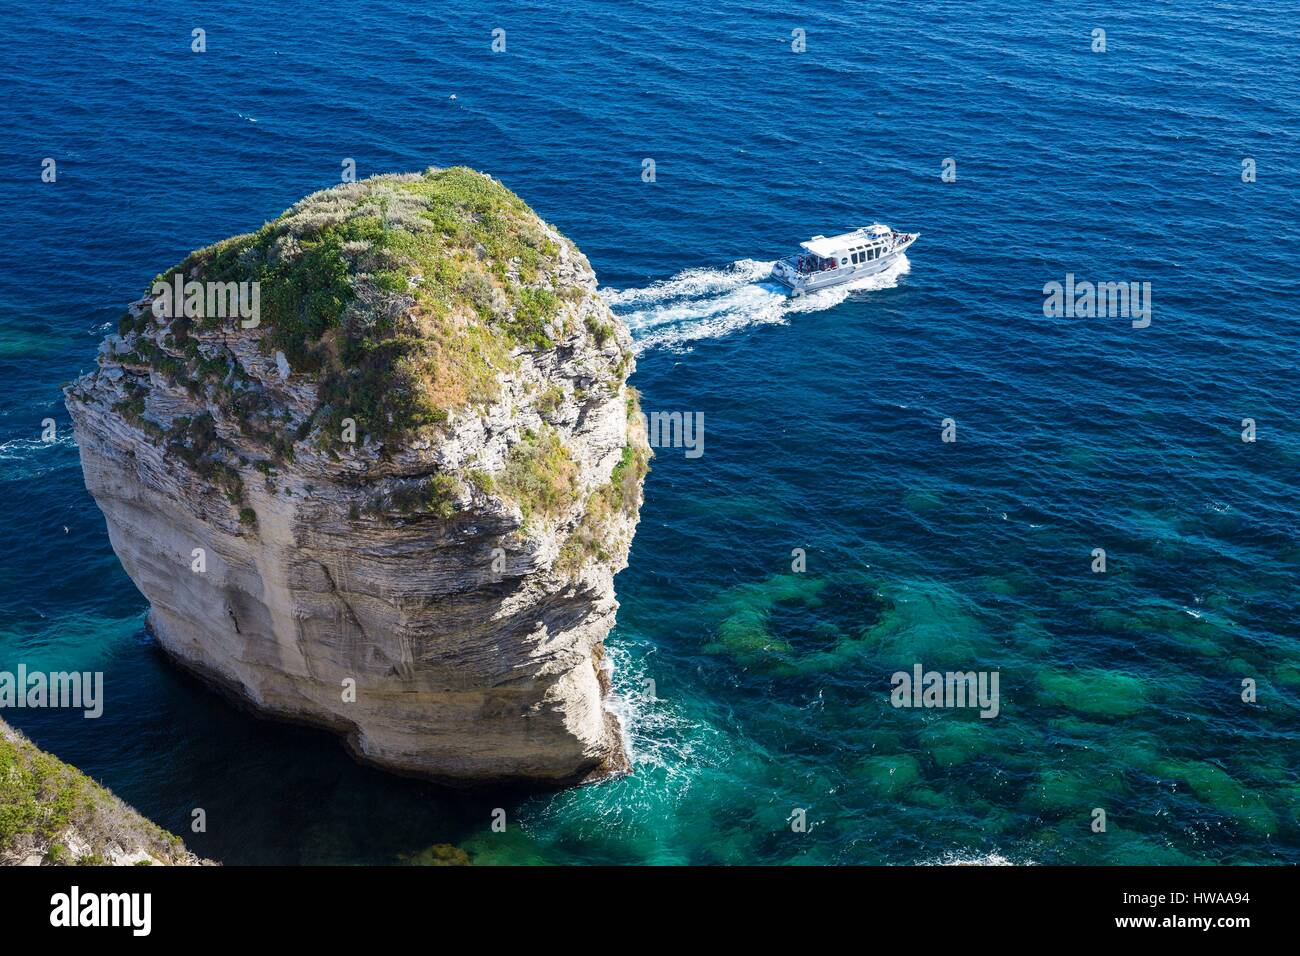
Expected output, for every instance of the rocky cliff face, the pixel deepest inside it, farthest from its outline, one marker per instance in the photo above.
(390, 495)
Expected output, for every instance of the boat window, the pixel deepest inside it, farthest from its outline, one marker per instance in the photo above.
(844, 260)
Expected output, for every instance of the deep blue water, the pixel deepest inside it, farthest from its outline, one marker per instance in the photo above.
(1120, 690)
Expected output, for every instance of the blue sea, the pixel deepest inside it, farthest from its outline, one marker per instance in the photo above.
(756, 697)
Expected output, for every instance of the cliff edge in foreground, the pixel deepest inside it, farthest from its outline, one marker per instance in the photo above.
(375, 466)
(51, 813)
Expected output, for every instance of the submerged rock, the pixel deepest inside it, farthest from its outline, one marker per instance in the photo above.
(381, 480)
(440, 854)
(889, 774)
(1097, 692)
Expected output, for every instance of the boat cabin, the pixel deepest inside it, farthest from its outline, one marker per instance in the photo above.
(845, 251)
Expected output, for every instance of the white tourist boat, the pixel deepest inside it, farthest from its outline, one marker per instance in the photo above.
(833, 260)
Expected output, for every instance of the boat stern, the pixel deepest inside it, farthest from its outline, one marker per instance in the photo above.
(788, 275)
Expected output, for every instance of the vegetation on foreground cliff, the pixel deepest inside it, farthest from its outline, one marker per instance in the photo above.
(55, 812)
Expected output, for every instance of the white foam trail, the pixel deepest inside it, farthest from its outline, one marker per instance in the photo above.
(18, 456)
(706, 303)
(693, 282)
(21, 449)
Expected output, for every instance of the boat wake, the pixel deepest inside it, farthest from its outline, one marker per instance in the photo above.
(698, 304)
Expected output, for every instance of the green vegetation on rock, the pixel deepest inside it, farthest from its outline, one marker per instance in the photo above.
(622, 493)
(411, 303)
(43, 802)
(435, 495)
(405, 295)
(195, 441)
(540, 475)
(39, 795)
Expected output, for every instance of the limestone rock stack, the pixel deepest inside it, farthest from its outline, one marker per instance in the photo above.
(374, 467)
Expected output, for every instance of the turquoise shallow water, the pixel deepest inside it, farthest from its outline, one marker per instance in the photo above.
(1119, 691)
